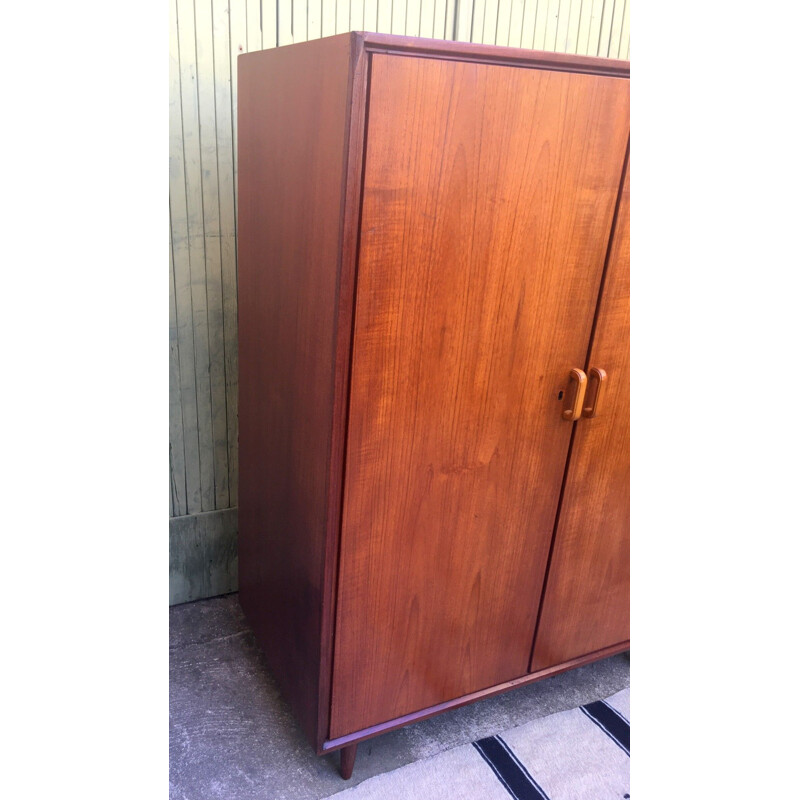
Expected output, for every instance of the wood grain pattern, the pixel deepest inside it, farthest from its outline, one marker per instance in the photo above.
(483, 240)
(293, 112)
(586, 601)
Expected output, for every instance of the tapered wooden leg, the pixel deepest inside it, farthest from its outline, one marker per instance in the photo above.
(347, 758)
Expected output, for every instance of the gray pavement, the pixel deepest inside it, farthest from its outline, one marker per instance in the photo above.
(233, 737)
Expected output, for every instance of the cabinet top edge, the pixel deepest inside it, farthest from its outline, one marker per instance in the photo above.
(490, 53)
(393, 44)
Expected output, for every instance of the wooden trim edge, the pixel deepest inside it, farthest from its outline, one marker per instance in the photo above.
(493, 54)
(331, 745)
(357, 100)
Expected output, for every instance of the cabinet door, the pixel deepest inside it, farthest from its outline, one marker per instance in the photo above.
(586, 600)
(488, 199)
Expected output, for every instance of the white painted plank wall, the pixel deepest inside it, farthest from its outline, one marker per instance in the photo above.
(206, 36)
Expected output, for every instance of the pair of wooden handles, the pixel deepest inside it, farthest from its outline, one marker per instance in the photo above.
(585, 399)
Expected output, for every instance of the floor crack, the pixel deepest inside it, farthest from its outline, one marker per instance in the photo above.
(208, 641)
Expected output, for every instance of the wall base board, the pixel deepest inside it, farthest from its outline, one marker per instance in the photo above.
(203, 556)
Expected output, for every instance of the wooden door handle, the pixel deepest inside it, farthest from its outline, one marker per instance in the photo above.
(594, 391)
(573, 402)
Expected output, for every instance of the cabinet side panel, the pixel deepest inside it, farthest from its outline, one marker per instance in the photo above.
(292, 129)
(586, 603)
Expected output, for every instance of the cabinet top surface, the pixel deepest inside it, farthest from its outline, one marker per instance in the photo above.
(468, 51)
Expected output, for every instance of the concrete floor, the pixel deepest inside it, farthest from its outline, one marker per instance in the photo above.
(233, 737)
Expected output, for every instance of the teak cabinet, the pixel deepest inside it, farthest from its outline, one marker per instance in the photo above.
(433, 356)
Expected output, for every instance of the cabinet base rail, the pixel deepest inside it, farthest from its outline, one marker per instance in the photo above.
(330, 745)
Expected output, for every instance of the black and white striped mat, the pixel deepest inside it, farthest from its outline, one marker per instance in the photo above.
(581, 754)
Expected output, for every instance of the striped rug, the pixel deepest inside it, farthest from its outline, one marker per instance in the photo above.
(581, 754)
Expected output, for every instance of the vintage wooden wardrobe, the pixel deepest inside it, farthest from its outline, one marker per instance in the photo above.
(433, 356)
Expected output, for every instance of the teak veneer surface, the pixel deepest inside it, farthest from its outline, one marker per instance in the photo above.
(586, 603)
(488, 199)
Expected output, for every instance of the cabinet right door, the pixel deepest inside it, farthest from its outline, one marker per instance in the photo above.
(586, 600)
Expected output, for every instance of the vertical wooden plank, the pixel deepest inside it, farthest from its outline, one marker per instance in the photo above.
(227, 220)
(284, 22)
(564, 7)
(478, 17)
(449, 19)
(464, 14)
(413, 8)
(528, 23)
(503, 22)
(269, 23)
(540, 25)
(607, 16)
(207, 101)
(490, 22)
(253, 24)
(399, 16)
(625, 36)
(314, 19)
(182, 279)
(582, 42)
(370, 15)
(616, 29)
(551, 26)
(356, 15)
(209, 183)
(177, 469)
(438, 21)
(237, 14)
(299, 21)
(571, 41)
(237, 10)
(196, 245)
(516, 16)
(328, 17)
(595, 24)
(426, 19)
(342, 16)
(384, 16)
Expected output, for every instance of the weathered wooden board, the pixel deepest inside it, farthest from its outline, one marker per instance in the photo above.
(202, 555)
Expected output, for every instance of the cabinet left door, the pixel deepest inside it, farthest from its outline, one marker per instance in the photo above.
(488, 199)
